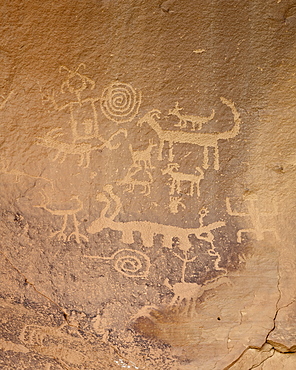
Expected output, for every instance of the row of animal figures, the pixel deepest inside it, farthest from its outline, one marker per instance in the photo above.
(83, 148)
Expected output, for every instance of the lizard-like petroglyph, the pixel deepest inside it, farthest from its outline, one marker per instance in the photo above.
(149, 229)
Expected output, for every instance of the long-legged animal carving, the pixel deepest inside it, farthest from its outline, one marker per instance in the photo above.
(76, 205)
(205, 140)
(149, 229)
(142, 156)
(83, 149)
(178, 177)
(185, 118)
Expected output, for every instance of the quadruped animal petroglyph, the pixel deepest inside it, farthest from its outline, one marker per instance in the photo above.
(82, 149)
(179, 177)
(205, 140)
(132, 181)
(142, 157)
(149, 229)
(185, 119)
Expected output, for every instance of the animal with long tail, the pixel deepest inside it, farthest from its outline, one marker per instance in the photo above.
(149, 229)
(205, 140)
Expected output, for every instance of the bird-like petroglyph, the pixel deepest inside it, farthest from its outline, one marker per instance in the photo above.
(129, 262)
(149, 229)
(205, 140)
(120, 102)
(185, 119)
(71, 208)
(261, 221)
(179, 177)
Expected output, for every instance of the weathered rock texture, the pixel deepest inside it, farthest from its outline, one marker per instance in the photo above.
(147, 166)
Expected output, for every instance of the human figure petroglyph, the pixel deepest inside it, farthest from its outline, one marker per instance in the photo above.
(175, 204)
(149, 229)
(140, 157)
(185, 119)
(120, 102)
(179, 177)
(131, 181)
(185, 261)
(82, 149)
(76, 206)
(205, 140)
(255, 215)
(77, 83)
(129, 262)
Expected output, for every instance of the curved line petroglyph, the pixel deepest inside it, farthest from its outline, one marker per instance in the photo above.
(120, 102)
(129, 262)
(187, 119)
(205, 140)
(149, 229)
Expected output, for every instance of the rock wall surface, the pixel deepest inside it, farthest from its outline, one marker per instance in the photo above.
(147, 176)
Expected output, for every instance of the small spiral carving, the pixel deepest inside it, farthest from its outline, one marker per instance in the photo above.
(131, 263)
(120, 102)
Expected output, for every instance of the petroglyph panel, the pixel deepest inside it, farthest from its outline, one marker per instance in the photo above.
(147, 198)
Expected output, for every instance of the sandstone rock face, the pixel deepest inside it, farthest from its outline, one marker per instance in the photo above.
(147, 166)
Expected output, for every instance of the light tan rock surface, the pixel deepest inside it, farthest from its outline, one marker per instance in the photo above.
(147, 185)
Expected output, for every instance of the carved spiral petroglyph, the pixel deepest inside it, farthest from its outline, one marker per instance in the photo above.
(131, 263)
(120, 102)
